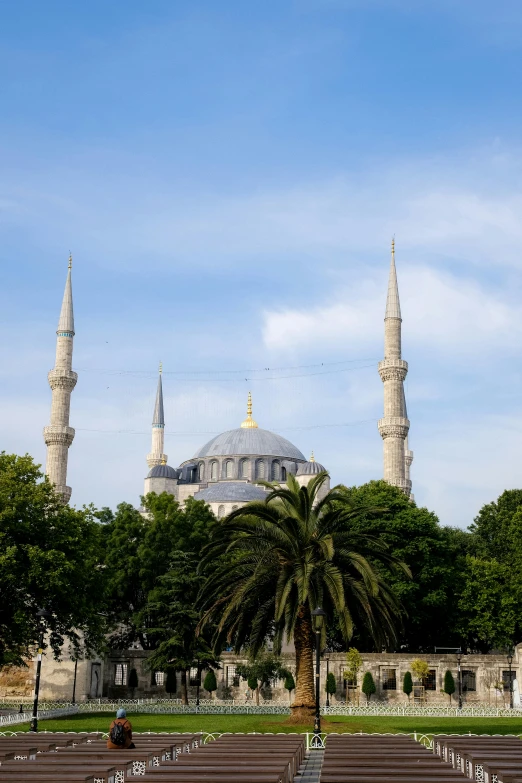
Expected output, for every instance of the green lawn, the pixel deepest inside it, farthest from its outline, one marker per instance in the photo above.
(273, 723)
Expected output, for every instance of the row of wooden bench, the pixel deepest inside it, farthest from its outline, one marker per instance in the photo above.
(163, 757)
(483, 759)
(377, 759)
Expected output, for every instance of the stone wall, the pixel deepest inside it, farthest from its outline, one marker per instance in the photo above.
(479, 673)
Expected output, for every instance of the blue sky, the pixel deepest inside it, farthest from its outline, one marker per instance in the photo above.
(228, 176)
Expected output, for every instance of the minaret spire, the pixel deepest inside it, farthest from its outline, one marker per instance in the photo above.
(394, 425)
(156, 456)
(58, 435)
(249, 422)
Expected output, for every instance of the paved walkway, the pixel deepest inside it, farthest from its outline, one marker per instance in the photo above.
(310, 770)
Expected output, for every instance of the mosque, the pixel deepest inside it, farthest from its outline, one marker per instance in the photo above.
(225, 471)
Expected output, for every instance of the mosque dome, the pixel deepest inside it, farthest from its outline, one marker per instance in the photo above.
(249, 441)
(162, 471)
(310, 468)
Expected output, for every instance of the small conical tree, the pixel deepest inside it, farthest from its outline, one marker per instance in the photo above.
(289, 685)
(368, 686)
(254, 686)
(407, 684)
(449, 684)
(171, 683)
(210, 682)
(133, 681)
(331, 684)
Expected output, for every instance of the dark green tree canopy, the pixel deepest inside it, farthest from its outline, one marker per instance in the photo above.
(140, 551)
(433, 554)
(49, 558)
(368, 685)
(407, 684)
(330, 685)
(449, 683)
(210, 682)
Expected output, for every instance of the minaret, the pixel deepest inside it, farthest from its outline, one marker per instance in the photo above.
(408, 456)
(58, 435)
(394, 425)
(156, 456)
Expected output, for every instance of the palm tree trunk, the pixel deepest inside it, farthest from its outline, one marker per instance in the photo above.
(304, 699)
(184, 690)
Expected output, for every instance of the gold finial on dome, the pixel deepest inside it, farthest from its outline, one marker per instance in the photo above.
(249, 421)
(312, 458)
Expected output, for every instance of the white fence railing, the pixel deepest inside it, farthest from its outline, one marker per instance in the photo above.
(15, 718)
(312, 740)
(237, 707)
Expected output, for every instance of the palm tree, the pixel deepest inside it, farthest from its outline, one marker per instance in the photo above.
(275, 560)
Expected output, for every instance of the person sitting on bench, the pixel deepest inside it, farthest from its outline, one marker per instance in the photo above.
(120, 733)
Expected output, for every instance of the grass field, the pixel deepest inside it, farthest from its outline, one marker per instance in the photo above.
(271, 723)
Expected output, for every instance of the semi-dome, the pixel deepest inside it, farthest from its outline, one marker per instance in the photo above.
(310, 468)
(231, 491)
(162, 471)
(250, 441)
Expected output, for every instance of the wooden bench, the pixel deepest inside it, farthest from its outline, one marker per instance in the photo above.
(498, 771)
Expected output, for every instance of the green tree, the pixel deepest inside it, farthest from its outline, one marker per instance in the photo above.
(449, 684)
(407, 684)
(289, 684)
(497, 529)
(210, 682)
(170, 618)
(354, 663)
(331, 685)
(133, 681)
(260, 670)
(288, 555)
(434, 555)
(49, 558)
(420, 669)
(171, 684)
(490, 604)
(490, 598)
(139, 551)
(368, 686)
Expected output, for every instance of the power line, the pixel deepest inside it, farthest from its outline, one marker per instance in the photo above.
(144, 374)
(225, 372)
(217, 432)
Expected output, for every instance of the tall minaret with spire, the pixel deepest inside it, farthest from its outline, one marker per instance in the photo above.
(58, 435)
(156, 456)
(394, 425)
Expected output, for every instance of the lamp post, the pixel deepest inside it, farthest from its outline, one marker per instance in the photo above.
(198, 681)
(510, 661)
(327, 683)
(74, 680)
(459, 676)
(42, 615)
(318, 616)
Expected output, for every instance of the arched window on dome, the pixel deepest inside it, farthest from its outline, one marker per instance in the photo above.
(276, 470)
(213, 471)
(260, 469)
(201, 471)
(283, 474)
(221, 512)
(229, 469)
(243, 468)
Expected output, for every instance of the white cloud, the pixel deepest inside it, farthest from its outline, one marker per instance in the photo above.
(440, 311)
